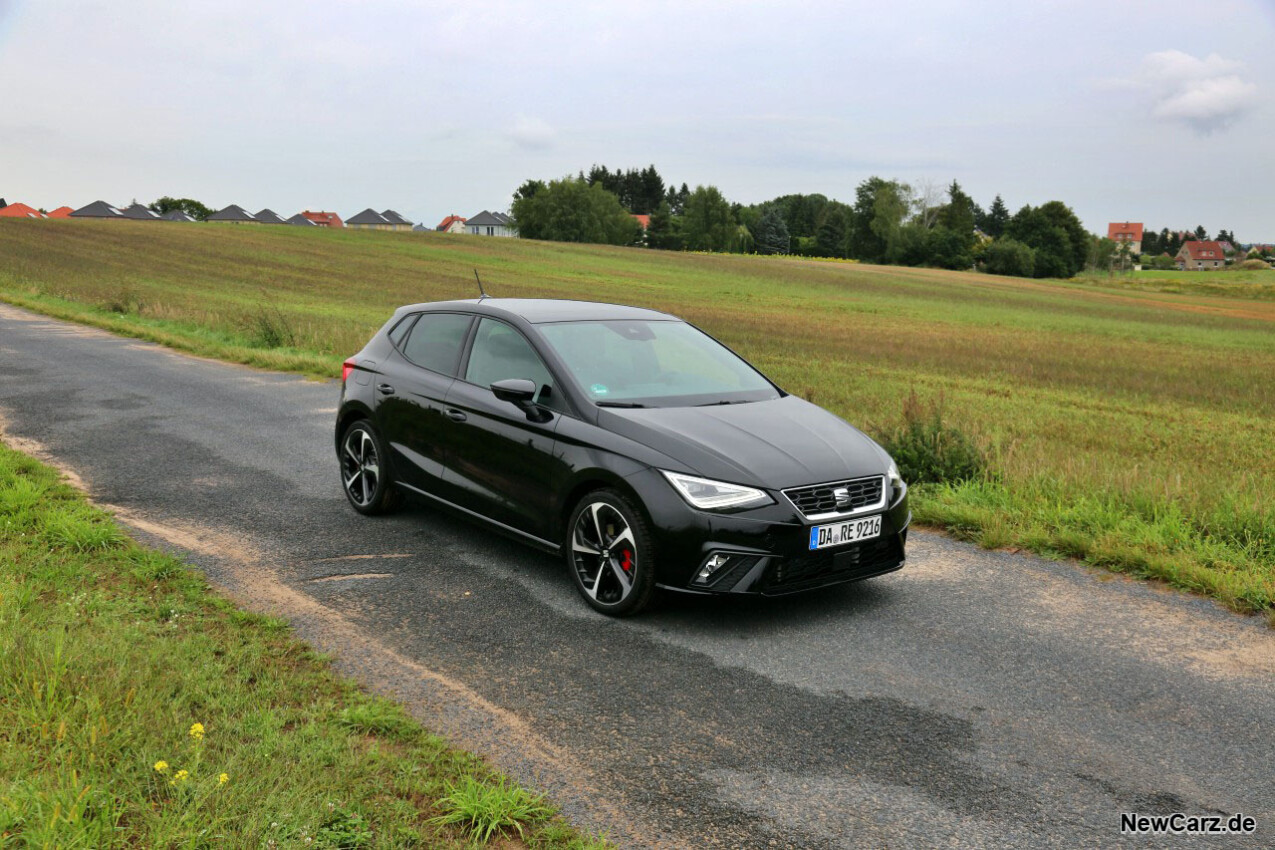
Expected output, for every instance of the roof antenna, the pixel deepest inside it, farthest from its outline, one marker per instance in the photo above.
(482, 292)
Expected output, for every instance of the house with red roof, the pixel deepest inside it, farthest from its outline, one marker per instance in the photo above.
(324, 219)
(642, 219)
(1127, 231)
(20, 211)
(1199, 255)
(452, 224)
(61, 212)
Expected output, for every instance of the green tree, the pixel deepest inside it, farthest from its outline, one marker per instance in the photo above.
(997, 219)
(958, 216)
(570, 210)
(707, 223)
(878, 212)
(834, 230)
(1010, 257)
(1200, 233)
(1103, 253)
(665, 229)
(1150, 242)
(190, 206)
(677, 199)
(771, 234)
(951, 249)
(529, 189)
(802, 213)
(1054, 232)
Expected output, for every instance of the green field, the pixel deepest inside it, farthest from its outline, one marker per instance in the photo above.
(1127, 426)
(139, 709)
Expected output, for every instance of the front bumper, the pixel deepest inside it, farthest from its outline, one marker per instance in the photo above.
(767, 548)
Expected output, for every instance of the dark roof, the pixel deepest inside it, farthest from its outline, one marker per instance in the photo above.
(176, 215)
(234, 212)
(540, 310)
(268, 216)
(139, 212)
(301, 221)
(489, 218)
(368, 216)
(98, 209)
(422, 226)
(393, 217)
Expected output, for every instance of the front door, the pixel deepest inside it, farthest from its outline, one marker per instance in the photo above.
(502, 463)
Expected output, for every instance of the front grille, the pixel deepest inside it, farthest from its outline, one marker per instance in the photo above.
(829, 566)
(820, 499)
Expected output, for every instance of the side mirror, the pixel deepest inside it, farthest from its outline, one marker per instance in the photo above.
(521, 392)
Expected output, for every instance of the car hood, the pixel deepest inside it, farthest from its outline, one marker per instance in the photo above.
(784, 442)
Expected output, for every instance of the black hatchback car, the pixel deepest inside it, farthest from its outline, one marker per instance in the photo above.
(638, 447)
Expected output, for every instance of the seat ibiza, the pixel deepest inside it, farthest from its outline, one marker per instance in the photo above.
(640, 449)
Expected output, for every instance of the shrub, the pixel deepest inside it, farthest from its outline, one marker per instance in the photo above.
(929, 449)
(1010, 257)
(270, 328)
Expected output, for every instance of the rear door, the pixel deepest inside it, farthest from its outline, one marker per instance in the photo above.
(410, 391)
(502, 464)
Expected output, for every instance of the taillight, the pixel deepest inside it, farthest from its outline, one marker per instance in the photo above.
(346, 368)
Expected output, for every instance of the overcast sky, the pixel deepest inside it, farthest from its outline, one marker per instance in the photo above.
(1158, 112)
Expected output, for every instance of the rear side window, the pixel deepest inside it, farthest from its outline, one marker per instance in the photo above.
(434, 342)
(500, 352)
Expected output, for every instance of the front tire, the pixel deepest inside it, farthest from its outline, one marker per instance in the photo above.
(365, 471)
(610, 554)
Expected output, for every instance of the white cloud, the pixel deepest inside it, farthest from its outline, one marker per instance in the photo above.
(1205, 94)
(531, 133)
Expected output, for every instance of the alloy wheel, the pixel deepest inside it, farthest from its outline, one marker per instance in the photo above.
(360, 467)
(604, 553)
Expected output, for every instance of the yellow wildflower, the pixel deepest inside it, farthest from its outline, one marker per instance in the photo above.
(161, 767)
(179, 776)
(197, 731)
(223, 779)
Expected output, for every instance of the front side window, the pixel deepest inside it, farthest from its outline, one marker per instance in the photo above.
(654, 364)
(500, 352)
(435, 341)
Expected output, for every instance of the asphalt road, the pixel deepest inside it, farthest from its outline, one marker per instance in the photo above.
(974, 699)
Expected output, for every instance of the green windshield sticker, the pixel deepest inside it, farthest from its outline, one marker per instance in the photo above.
(599, 389)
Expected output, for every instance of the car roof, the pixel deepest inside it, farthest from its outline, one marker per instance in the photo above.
(542, 310)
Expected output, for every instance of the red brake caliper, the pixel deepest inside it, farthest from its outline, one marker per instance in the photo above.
(626, 560)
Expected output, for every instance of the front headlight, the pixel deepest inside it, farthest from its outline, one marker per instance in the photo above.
(897, 485)
(710, 495)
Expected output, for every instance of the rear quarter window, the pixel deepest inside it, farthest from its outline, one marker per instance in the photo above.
(435, 340)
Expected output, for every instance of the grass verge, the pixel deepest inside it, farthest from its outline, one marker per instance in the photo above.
(140, 709)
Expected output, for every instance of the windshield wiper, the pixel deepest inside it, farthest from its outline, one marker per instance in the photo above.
(619, 404)
(723, 401)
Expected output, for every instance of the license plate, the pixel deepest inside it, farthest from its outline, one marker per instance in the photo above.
(841, 533)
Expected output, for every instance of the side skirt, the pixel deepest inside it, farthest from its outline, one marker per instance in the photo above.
(507, 530)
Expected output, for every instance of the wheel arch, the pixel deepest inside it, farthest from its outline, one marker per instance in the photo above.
(353, 412)
(586, 482)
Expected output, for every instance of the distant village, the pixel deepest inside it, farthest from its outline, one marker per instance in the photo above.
(1181, 250)
(1192, 254)
(485, 223)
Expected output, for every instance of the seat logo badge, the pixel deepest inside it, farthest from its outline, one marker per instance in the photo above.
(842, 495)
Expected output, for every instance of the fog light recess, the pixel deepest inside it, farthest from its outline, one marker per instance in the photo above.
(720, 565)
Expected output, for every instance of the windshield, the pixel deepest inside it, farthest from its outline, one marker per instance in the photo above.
(653, 364)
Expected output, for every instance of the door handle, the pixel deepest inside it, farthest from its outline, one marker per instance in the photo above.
(385, 389)
(456, 415)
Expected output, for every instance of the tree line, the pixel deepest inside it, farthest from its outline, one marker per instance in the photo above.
(889, 221)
